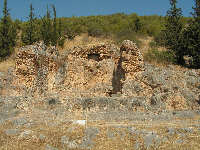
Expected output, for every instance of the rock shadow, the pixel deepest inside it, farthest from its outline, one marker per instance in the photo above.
(118, 77)
(95, 57)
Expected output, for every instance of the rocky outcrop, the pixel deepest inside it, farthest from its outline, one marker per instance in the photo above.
(116, 75)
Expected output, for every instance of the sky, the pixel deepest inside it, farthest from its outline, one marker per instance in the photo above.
(19, 9)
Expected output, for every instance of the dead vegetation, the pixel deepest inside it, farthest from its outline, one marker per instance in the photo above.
(109, 137)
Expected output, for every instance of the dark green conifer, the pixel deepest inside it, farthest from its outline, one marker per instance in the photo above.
(172, 32)
(191, 37)
(8, 33)
(61, 38)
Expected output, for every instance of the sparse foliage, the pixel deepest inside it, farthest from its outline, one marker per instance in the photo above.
(61, 38)
(54, 37)
(46, 28)
(30, 33)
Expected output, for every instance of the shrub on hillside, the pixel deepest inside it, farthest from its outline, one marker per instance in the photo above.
(153, 44)
(160, 57)
(159, 39)
(61, 42)
(95, 31)
(127, 35)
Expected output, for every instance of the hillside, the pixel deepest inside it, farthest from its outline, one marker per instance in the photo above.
(118, 26)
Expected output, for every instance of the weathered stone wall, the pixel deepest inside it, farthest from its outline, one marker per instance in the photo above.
(99, 70)
(132, 59)
(91, 70)
(36, 67)
(113, 75)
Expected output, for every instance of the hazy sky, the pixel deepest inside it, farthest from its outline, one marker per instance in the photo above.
(20, 8)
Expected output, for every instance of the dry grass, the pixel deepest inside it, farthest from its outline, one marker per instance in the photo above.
(32, 141)
(9, 62)
(145, 44)
(121, 140)
(5, 65)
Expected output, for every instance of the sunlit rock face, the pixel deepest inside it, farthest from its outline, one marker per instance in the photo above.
(132, 59)
(91, 70)
(36, 68)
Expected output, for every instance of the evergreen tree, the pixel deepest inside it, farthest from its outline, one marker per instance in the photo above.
(196, 13)
(54, 39)
(191, 37)
(8, 33)
(46, 28)
(172, 31)
(30, 34)
(138, 24)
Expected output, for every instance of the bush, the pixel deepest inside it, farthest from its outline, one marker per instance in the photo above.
(95, 31)
(127, 35)
(159, 39)
(61, 42)
(163, 57)
(153, 44)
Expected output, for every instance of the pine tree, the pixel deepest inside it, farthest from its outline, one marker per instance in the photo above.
(54, 39)
(196, 13)
(46, 28)
(172, 32)
(8, 33)
(191, 37)
(30, 34)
